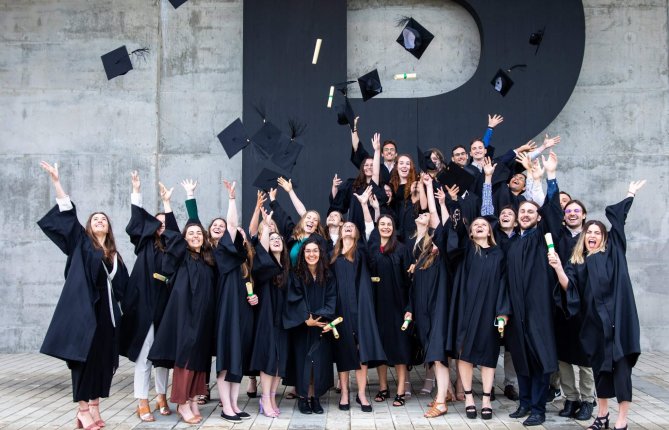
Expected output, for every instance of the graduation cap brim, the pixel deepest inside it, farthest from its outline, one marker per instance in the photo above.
(453, 174)
(345, 114)
(267, 178)
(501, 82)
(424, 161)
(267, 139)
(116, 62)
(287, 154)
(422, 38)
(234, 138)
(177, 3)
(370, 85)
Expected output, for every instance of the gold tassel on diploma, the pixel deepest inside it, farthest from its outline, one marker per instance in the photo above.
(249, 289)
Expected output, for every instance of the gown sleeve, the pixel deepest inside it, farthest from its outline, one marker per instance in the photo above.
(503, 303)
(284, 222)
(175, 251)
(63, 228)
(171, 222)
(327, 311)
(142, 227)
(295, 311)
(617, 214)
(191, 208)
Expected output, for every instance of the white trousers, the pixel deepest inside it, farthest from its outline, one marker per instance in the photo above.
(143, 371)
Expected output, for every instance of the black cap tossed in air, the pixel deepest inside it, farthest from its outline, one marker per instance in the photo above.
(453, 174)
(345, 114)
(234, 138)
(177, 3)
(370, 85)
(502, 82)
(286, 155)
(267, 178)
(267, 139)
(414, 37)
(424, 160)
(117, 62)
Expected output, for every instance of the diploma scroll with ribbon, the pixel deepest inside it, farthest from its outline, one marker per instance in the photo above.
(160, 277)
(332, 325)
(249, 289)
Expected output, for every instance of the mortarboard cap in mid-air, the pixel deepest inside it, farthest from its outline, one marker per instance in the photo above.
(234, 138)
(414, 37)
(370, 85)
(424, 160)
(267, 178)
(453, 174)
(117, 62)
(267, 139)
(502, 82)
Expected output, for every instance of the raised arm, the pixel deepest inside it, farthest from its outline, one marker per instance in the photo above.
(363, 198)
(55, 178)
(617, 214)
(166, 198)
(493, 121)
(431, 204)
(556, 264)
(232, 219)
(548, 143)
(255, 218)
(336, 182)
(267, 222)
(136, 195)
(487, 206)
(376, 167)
(297, 203)
(189, 186)
(441, 199)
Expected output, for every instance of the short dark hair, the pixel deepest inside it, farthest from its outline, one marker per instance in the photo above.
(474, 141)
(389, 142)
(456, 147)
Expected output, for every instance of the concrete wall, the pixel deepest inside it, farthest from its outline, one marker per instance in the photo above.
(163, 117)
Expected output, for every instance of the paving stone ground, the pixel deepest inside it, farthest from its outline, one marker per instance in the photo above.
(35, 393)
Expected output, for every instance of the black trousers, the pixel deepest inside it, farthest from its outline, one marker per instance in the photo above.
(616, 384)
(532, 391)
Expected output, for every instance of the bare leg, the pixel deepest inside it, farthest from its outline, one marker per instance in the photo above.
(194, 407)
(487, 378)
(234, 395)
(84, 415)
(443, 381)
(466, 371)
(382, 371)
(224, 393)
(402, 377)
(276, 380)
(428, 385)
(361, 379)
(602, 407)
(343, 383)
(252, 388)
(623, 410)
(266, 401)
(459, 389)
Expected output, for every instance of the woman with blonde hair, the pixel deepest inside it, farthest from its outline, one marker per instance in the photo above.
(597, 285)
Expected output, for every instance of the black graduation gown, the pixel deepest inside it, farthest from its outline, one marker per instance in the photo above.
(391, 298)
(311, 350)
(346, 202)
(357, 158)
(567, 329)
(234, 314)
(405, 211)
(429, 300)
(479, 295)
(184, 338)
(601, 290)
(146, 297)
(74, 322)
(530, 334)
(270, 343)
(286, 225)
(359, 340)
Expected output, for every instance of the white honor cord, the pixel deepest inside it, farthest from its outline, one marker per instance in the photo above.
(110, 276)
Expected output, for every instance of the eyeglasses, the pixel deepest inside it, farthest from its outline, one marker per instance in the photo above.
(576, 211)
(459, 154)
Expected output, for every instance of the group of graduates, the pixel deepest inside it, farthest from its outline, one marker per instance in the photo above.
(408, 269)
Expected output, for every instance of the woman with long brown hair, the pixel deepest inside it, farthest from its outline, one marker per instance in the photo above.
(404, 182)
(85, 327)
(597, 286)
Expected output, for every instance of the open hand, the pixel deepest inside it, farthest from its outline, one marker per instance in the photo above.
(286, 185)
(136, 183)
(494, 120)
(51, 170)
(165, 193)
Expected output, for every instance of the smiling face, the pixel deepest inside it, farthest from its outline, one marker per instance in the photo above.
(528, 215)
(517, 183)
(477, 150)
(479, 229)
(99, 224)
(311, 254)
(403, 167)
(217, 228)
(348, 230)
(593, 237)
(507, 219)
(194, 237)
(386, 227)
(574, 215)
(367, 168)
(389, 152)
(436, 160)
(388, 191)
(275, 242)
(161, 229)
(459, 156)
(334, 219)
(310, 222)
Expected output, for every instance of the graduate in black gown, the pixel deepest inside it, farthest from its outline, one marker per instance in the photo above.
(597, 285)
(184, 339)
(530, 336)
(270, 343)
(429, 294)
(146, 297)
(479, 299)
(234, 311)
(310, 304)
(359, 345)
(404, 182)
(85, 327)
(389, 262)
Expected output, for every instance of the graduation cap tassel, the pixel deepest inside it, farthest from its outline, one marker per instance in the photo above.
(261, 109)
(296, 128)
(140, 53)
(402, 21)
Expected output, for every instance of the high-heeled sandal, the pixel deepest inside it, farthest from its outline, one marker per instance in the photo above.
(162, 406)
(203, 399)
(486, 413)
(263, 409)
(425, 390)
(273, 397)
(98, 422)
(621, 428)
(471, 409)
(600, 423)
(434, 410)
(399, 400)
(144, 413)
(382, 395)
(78, 422)
(194, 420)
(253, 394)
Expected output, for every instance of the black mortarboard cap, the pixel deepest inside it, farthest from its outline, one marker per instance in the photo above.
(117, 62)
(345, 114)
(424, 160)
(370, 85)
(267, 139)
(453, 174)
(286, 155)
(415, 38)
(177, 3)
(267, 179)
(536, 38)
(234, 138)
(501, 82)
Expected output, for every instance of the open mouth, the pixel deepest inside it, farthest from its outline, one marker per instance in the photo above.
(592, 243)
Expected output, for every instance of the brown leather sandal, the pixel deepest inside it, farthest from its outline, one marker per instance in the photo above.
(144, 413)
(162, 406)
(434, 410)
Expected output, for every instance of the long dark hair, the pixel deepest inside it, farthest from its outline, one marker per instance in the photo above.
(205, 251)
(392, 240)
(157, 239)
(279, 280)
(411, 178)
(322, 267)
(339, 246)
(109, 246)
(360, 182)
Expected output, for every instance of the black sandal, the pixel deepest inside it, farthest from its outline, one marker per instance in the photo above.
(470, 410)
(600, 423)
(399, 400)
(381, 396)
(486, 413)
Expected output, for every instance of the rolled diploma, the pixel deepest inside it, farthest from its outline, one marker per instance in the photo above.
(331, 96)
(500, 326)
(402, 76)
(317, 50)
(376, 279)
(406, 324)
(332, 325)
(549, 243)
(249, 289)
(160, 277)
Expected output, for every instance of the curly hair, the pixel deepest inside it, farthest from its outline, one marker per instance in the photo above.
(322, 266)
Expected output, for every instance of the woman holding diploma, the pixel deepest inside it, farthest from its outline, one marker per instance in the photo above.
(597, 286)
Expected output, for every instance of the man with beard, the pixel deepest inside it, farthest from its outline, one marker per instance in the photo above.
(530, 337)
